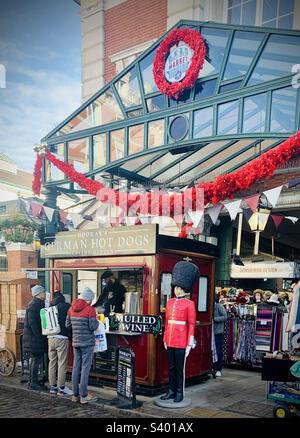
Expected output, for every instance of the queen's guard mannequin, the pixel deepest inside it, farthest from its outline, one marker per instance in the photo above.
(180, 327)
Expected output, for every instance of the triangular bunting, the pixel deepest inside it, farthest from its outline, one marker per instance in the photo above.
(233, 208)
(292, 218)
(273, 195)
(75, 218)
(196, 217)
(252, 202)
(214, 212)
(36, 209)
(49, 212)
(248, 213)
(277, 219)
(24, 205)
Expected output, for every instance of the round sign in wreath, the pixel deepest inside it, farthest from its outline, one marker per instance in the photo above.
(179, 79)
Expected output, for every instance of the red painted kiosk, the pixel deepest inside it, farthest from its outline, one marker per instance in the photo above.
(142, 260)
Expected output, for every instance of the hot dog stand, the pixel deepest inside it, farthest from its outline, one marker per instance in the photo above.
(142, 260)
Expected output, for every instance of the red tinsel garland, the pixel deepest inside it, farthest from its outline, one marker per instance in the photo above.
(37, 173)
(195, 41)
(224, 187)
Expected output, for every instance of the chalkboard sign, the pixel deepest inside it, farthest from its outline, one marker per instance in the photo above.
(106, 362)
(126, 379)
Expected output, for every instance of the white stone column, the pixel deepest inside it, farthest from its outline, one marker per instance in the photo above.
(92, 46)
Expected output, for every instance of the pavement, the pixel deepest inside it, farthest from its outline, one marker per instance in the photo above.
(237, 394)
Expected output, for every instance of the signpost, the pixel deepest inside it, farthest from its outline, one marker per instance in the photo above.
(126, 390)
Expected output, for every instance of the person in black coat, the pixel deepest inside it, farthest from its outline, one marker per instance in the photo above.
(113, 295)
(33, 341)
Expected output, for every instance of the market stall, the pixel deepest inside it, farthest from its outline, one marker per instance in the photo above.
(142, 261)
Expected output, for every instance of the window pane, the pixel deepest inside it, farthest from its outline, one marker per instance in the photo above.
(230, 87)
(78, 154)
(165, 290)
(136, 139)
(243, 49)
(255, 113)
(286, 6)
(270, 8)
(286, 22)
(179, 127)
(216, 41)
(104, 109)
(249, 13)
(135, 113)
(228, 117)
(277, 59)
(129, 90)
(272, 23)
(117, 139)
(204, 89)
(203, 294)
(52, 172)
(203, 122)
(234, 15)
(146, 66)
(156, 103)
(234, 2)
(156, 131)
(99, 145)
(283, 110)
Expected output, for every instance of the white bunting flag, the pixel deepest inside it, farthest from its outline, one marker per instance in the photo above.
(214, 212)
(75, 218)
(233, 208)
(49, 212)
(196, 217)
(292, 218)
(273, 195)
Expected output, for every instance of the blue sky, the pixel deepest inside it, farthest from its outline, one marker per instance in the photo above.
(40, 50)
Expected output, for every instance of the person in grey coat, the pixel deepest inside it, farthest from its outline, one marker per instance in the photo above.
(220, 316)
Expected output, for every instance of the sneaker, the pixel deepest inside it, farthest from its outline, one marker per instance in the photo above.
(53, 390)
(65, 391)
(88, 399)
(218, 374)
(75, 398)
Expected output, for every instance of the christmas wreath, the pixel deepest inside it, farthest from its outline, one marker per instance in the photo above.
(195, 41)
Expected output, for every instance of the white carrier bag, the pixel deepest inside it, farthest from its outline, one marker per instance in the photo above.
(49, 319)
(100, 339)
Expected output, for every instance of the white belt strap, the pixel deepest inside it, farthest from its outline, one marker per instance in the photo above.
(172, 321)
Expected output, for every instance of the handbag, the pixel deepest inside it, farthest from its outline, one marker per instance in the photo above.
(49, 320)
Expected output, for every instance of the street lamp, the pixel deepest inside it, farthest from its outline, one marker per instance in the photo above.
(36, 241)
(257, 223)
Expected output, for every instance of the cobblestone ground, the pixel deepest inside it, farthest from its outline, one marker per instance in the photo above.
(25, 404)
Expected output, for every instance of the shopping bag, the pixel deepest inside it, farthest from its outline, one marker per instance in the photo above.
(49, 320)
(100, 339)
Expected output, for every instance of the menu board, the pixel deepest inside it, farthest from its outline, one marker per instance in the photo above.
(106, 362)
(125, 384)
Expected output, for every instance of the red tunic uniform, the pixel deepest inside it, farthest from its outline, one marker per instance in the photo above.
(180, 323)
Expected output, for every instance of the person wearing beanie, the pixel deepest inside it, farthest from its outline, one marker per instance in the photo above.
(112, 296)
(58, 348)
(82, 318)
(220, 316)
(34, 342)
(179, 327)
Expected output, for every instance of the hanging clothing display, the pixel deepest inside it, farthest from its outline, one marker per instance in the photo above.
(263, 328)
(245, 348)
(294, 311)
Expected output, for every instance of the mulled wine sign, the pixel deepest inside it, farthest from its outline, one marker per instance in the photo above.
(145, 324)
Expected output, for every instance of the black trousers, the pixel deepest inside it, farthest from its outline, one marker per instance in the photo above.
(176, 358)
(219, 340)
(35, 363)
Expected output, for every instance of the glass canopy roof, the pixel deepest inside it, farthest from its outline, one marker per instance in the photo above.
(242, 104)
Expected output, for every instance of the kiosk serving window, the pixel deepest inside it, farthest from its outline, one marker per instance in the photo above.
(203, 294)
(165, 289)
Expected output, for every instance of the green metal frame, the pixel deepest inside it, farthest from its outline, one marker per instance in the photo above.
(189, 108)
